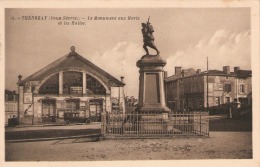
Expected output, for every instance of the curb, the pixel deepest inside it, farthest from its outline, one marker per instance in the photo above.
(46, 125)
(94, 136)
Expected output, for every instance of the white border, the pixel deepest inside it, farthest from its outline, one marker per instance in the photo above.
(253, 4)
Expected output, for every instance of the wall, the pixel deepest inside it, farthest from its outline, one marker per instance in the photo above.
(171, 94)
(193, 90)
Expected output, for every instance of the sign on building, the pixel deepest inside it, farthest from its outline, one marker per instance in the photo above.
(27, 98)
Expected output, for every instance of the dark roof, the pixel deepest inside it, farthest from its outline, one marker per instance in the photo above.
(73, 60)
(240, 74)
(186, 72)
(172, 78)
(244, 73)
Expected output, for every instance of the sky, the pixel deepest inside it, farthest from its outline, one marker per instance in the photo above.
(184, 36)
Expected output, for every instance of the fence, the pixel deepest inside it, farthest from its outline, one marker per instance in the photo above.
(139, 125)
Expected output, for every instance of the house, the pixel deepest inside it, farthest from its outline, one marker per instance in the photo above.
(11, 105)
(187, 89)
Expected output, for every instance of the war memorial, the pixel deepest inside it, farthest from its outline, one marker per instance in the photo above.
(152, 118)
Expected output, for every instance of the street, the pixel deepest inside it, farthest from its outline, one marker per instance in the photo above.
(229, 139)
(220, 145)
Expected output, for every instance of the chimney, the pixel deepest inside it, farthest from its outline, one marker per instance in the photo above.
(183, 72)
(177, 70)
(122, 79)
(226, 69)
(19, 78)
(236, 69)
(198, 71)
(165, 74)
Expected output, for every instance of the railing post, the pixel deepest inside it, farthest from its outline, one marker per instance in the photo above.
(200, 122)
(137, 123)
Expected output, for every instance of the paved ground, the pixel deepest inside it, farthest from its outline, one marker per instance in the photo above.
(228, 139)
(220, 145)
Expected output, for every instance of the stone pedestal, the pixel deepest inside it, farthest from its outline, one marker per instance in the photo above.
(151, 85)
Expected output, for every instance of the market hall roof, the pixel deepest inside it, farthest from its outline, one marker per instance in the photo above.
(73, 60)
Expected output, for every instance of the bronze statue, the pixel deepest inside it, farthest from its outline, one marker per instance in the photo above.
(148, 38)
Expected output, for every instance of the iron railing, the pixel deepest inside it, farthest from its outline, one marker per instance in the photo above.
(154, 124)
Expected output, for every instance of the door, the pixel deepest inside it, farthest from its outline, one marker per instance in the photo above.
(227, 100)
(48, 111)
(217, 104)
(217, 101)
(71, 114)
(95, 110)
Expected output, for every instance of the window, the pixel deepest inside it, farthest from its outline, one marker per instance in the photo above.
(51, 86)
(227, 87)
(242, 88)
(181, 80)
(72, 105)
(72, 83)
(94, 86)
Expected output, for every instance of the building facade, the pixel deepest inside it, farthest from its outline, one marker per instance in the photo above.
(187, 89)
(11, 105)
(70, 89)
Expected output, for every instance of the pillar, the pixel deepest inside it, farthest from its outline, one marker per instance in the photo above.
(20, 102)
(141, 88)
(84, 83)
(162, 92)
(60, 83)
(151, 85)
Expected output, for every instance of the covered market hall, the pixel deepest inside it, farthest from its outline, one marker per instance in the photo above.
(70, 89)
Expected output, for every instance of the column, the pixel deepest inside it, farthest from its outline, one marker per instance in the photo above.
(141, 88)
(162, 95)
(60, 83)
(108, 103)
(84, 82)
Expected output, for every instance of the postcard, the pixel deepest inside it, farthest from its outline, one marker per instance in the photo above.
(109, 83)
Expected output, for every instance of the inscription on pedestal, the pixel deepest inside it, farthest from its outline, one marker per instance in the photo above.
(152, 91)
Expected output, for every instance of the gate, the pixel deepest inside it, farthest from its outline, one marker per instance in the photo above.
(154, 125)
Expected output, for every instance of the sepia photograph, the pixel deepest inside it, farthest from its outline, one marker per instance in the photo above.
(136, 83)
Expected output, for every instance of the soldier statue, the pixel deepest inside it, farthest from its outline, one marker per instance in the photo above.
(148, 38)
